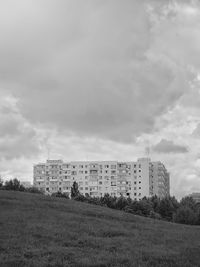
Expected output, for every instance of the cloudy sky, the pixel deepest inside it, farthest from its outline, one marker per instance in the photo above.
(101, 80)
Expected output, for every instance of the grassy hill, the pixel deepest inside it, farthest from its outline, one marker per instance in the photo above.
(41, 231)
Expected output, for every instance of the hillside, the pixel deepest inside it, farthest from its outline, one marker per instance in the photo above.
(41, 231)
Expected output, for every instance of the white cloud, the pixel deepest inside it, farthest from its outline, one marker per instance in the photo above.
(99, 79)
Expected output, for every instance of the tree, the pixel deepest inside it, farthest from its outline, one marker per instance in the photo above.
(167, 208)
(188, 202)
(14, 185)
(1, 182)
(186, 215)
(155, 203)
(74, 190)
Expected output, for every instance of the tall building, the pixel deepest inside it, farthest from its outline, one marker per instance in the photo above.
(96, 178)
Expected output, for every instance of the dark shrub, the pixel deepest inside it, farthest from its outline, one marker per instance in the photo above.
(14, 185)
(186, 215)
(60, 194)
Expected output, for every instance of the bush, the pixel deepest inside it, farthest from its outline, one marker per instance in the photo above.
(155, 215)
(60, 194)
(186, 215)
(81, 198)
(14, 185)
(34, 190)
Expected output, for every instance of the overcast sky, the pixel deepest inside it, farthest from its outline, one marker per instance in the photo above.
(101, 80)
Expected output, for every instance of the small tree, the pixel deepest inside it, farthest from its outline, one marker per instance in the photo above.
(1, 182)
(74, 190)
(14, 185)
(186, 215)
(188, 202)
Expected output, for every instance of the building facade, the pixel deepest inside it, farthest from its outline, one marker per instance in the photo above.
(96, 178)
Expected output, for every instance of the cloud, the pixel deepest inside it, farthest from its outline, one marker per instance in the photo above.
(90, 68)
(167, 146)
(196, 132)
(103, 78)
(17, 137)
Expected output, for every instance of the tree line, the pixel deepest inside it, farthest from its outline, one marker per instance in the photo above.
(15, 185)
(185, 211)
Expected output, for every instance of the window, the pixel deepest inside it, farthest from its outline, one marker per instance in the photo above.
(113, 166)
(139, 187)
(139, 182)
(135, 182)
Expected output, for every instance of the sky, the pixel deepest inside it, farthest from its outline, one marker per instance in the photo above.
(101, 80)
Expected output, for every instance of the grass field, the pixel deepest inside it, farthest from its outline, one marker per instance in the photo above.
(41, 231)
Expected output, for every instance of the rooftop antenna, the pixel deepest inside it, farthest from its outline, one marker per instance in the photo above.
(147, 150)
(48, 152)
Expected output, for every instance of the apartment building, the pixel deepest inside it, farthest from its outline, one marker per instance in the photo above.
(96, 178)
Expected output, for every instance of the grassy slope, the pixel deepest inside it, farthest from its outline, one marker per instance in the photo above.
(42, 231)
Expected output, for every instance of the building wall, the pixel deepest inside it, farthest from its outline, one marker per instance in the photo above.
(96, 178)
(160, 179)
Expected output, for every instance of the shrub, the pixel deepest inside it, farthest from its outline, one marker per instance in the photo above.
(186, 215)
(14, 185)
(34, 190)
(155, 215)
(60, 194)
(81, 198)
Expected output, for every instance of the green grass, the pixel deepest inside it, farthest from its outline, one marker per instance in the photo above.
(41, 231)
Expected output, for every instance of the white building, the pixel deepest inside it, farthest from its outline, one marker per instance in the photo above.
(96, 178)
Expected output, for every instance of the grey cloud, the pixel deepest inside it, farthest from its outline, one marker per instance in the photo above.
(23, 145)
(196, 132)
(17, 137)
(168, 146)
(87, 66)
